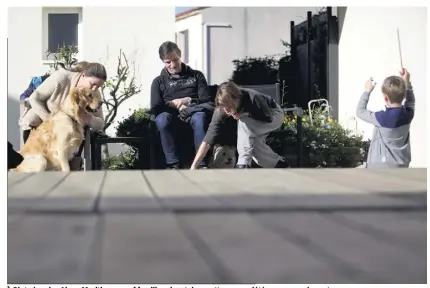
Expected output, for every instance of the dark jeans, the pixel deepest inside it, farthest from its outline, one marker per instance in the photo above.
(168, 123)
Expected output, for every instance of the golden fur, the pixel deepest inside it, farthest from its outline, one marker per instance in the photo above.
(50, 147)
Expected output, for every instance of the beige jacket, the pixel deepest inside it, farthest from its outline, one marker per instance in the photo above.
(49, 96)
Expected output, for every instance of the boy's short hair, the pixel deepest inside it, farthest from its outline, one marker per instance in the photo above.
(395, 88)
(228, 96)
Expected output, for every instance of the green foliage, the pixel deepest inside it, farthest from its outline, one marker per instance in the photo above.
(267, 70)
(255, 71)
(326, 142)
(65, 57)
(118, 89)
(125, 161)
(135, 125)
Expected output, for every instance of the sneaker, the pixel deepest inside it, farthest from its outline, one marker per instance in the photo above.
(172, 166)
(283, 163)
(242, 166)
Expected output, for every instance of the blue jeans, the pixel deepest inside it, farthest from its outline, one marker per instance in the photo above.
(166, 124)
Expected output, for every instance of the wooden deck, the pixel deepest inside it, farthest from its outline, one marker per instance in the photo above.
(218, 226)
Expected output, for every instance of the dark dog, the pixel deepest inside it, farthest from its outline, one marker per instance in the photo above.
(13, 157)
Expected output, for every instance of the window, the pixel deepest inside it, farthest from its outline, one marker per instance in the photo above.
(61, 27)
(182, 40)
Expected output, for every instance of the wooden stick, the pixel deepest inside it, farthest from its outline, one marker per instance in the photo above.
(400, 49)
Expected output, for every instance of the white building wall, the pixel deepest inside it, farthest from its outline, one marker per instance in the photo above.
(254, 32)
(109, 29)
(195, 41)
(368, 48)
(105, 30)
(24, 61)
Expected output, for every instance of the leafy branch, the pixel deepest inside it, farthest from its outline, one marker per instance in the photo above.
(118, 89)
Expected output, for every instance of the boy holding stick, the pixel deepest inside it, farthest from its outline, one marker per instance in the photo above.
(390, 144)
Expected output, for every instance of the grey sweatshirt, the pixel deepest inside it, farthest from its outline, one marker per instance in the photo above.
(390, 143)
(258, 105)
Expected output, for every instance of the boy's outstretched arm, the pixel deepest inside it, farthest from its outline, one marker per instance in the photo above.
(410, 97)
(362, 112)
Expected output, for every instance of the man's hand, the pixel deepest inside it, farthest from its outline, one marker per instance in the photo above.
(406, 76)
(178, 103)
(369, 86)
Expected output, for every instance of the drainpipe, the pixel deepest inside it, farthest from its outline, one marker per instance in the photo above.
(206, 46)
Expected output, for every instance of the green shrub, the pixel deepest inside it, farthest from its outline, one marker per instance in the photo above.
(255, 71)
(135, 125)
(127, 160)
(326, 143)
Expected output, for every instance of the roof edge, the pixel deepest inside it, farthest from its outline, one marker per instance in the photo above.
(190, 12)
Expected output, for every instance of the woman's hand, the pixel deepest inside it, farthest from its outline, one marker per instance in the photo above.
(87, 118)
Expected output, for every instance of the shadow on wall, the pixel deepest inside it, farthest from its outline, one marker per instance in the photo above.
(13, 129)
(341, 13)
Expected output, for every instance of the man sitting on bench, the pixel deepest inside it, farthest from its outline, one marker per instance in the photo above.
(179, 94)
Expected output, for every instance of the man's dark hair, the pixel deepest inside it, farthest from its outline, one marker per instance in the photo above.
(168, 48)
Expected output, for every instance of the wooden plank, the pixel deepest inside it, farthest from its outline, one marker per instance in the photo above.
(78, 192)
(175, 191)
(14, 220)
(16, 177)
(355, 249)
(394, 228)
(416, 174)
(50, 249)
(25, 194)
(214, 182)
(149, 248)
(286, 189)
(254, 254)
(126, 190)
(260, 181)
(372, 181)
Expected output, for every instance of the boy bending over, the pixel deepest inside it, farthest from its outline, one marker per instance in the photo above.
(257, 115)
(390, 144)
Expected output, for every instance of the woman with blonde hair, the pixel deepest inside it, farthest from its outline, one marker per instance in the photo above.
(49, 96)
(257, 115)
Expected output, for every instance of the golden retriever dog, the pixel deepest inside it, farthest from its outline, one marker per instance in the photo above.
(52, 145)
